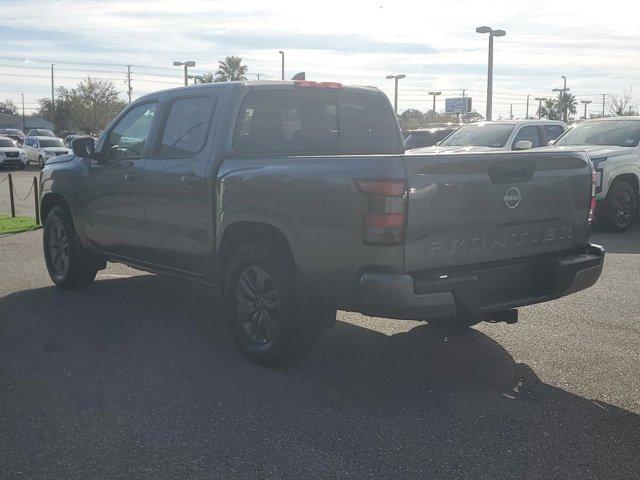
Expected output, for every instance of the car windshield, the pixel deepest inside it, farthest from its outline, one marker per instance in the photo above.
(621, 133)
(5, 142)
(45, 133)
(481, 135)
(52, 142)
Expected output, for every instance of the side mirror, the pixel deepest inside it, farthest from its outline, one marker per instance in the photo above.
(551, 142)
(83, 147)
(523, 145)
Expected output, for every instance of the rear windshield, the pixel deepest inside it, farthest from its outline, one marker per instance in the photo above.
(480, 135)
(623, 133)
(51, 143)
(425, 138)
(323, 122)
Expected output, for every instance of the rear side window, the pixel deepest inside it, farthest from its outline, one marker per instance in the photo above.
(307, 121)
(186, 127)
(553, 131)
(530, 133)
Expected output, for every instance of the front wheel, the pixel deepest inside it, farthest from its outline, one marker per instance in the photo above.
(620, 207)
(262, 307)
(40, 163)
(68, 264)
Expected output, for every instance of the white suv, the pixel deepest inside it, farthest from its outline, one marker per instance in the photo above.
(40, 149)
(11, 155)
(501, 135)
(613, 146)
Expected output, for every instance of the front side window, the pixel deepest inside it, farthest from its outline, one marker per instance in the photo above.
(129, 137)
(480, 135)
(186, 127)
(530, 133)
(315, 121)
(553, 131)
(621, 133)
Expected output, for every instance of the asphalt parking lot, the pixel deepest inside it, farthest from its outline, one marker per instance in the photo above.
(138, 377)
(22, 183)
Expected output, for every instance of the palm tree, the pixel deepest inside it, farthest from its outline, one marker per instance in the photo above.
(549, 110)
(231, 69)
(568, 101)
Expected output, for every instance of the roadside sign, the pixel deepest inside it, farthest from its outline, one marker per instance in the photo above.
(457, 105)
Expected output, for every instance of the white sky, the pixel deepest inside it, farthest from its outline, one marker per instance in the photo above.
(596, 45)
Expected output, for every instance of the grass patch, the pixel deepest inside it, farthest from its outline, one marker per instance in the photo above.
(16, 225)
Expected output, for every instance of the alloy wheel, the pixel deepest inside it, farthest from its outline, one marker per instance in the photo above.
(59, 248)
(257, 304)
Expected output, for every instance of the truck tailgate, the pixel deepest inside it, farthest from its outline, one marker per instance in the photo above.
(482, 207)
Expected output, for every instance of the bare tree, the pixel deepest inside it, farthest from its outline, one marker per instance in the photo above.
(620, 105)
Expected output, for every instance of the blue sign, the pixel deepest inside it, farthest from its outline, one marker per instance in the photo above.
(457, 105)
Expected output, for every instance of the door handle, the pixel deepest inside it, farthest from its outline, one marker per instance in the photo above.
(191, 181)
(131, 177)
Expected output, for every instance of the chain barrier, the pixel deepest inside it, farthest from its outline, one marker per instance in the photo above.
(26, 196)
(5, 177)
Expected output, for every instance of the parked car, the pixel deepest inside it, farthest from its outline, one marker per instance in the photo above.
(11, 155)
(13, 133)
(500, 135)
(296, 199)
(41, 132)
(40, 149)
(427, 137)
(612, 145)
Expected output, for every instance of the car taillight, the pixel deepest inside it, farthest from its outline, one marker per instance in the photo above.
(592, 202)
(386, 218)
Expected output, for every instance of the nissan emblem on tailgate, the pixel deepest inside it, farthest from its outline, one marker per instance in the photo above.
(512, 197)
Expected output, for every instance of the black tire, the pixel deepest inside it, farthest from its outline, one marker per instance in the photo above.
(620, 208)
(69, 265)
(40, 162)
(262, 307)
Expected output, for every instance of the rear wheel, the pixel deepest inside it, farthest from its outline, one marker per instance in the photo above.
(262, 307)
(40, 162)
(69, 265)
(620, 207)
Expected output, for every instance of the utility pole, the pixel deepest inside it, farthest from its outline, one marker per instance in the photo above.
(604, 99)
(52, 95)
(23, 127)
(186, 65)
(395, 97)
(527, 114)
(492, 33)
(129, 82)
(258, 76)
(585, 102)
(282, 65)
(511, 112)
(434, 95)
(563, 103)
(540, 100)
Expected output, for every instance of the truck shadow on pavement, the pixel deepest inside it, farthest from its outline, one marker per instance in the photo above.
(139, 378)
(624, 242)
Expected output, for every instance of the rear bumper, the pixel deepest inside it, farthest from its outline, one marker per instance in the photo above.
(478, 290)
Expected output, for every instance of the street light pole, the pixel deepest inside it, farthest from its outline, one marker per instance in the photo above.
(540, 100)
(434, 95)
(23, 127)
(129, 82)
(395, 97)
(186, 65)
(52, 96)
(563, 103)
(585, 102)
(604, 98)
(282, 65)
(492, 33)
(526, 116)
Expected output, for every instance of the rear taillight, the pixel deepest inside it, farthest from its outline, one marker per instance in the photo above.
(385, 221)
(592, 202)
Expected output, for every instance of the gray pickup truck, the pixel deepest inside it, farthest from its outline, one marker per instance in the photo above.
(297, 199)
